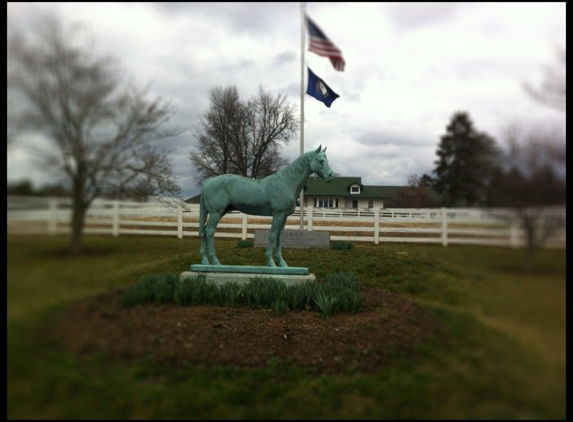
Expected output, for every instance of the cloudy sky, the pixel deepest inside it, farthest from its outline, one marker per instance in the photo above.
(409, 67)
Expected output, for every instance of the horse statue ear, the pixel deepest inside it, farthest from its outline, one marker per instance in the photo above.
(324, 150)
(318, 149)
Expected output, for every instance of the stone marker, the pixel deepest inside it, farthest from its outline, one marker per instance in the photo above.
(295, 239)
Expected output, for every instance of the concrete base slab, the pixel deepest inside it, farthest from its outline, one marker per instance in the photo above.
(244, 278)
(249, 269)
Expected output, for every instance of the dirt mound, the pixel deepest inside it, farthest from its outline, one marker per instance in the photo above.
(387, 326)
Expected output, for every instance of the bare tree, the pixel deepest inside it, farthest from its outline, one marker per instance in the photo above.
(221, 132)
(551, 91)
(104, 133)
(531, 177)
(271, 120)
(243, 138)
(415, 195)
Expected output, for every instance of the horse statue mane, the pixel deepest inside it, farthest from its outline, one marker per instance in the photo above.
(274, 195)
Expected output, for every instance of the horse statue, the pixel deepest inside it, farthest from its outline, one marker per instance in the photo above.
(274, 195)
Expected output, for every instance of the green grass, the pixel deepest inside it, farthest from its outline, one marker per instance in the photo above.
(504, 359)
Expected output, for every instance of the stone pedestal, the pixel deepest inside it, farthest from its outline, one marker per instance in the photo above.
(242, 274)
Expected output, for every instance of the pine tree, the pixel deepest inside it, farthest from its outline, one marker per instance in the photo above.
(466, 159)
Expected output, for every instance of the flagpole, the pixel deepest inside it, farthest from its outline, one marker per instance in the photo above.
(302, 45)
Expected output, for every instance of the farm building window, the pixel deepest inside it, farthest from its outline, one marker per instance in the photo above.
(326, 202)
(355, 189)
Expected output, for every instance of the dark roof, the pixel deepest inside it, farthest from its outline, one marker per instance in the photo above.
(340, 186)
(194, 199)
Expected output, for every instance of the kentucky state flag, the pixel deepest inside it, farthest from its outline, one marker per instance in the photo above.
(318, 89)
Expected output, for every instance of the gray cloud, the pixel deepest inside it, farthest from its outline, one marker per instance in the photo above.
(415, 15)
(258, 19)
(409, 67)
(381, 138)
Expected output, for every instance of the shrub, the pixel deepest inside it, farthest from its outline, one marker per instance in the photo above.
(247, 243)
(157, 288)
(183, 291)
(351, 301)
(327, 303)
(164, 287)
(230, 294)
(208, 294)
(279, 307)
(341, 245)
(342, 279)
(261, 291)
(340, 292)
(295, 298)
(192, 291)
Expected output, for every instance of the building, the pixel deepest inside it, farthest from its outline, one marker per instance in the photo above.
(346, 192)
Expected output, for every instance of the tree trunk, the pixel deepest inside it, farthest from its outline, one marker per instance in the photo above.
(530, 246)
(78, 217)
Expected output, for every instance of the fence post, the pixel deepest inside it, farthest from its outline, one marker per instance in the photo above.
(514, 234)
(53, 217)
(309, 218)
(180, 222)
(376, 225)
(244, 228)
(444, 227)
(115, 224)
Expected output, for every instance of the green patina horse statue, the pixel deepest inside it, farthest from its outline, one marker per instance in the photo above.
(274, 195)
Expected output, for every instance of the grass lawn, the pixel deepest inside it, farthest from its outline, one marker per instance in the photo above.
(505, 357)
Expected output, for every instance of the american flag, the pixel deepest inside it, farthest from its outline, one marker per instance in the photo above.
(321, 45)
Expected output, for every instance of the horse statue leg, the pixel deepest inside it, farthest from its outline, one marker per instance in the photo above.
(278, 252)
(202, 249)
(202, 233)
(275, 229)
(214, 218)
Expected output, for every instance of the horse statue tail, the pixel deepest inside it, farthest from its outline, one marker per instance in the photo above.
(202, 216)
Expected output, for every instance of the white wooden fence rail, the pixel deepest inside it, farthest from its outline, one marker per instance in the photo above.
(496, 227)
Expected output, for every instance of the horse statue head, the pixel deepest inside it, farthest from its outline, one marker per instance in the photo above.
(319, 164)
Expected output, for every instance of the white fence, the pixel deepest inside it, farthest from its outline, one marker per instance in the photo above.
(496, 227)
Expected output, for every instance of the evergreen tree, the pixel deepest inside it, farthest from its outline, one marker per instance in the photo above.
(466, 160)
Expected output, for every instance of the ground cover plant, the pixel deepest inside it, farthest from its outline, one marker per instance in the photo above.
(339, 292)
(456, 332)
